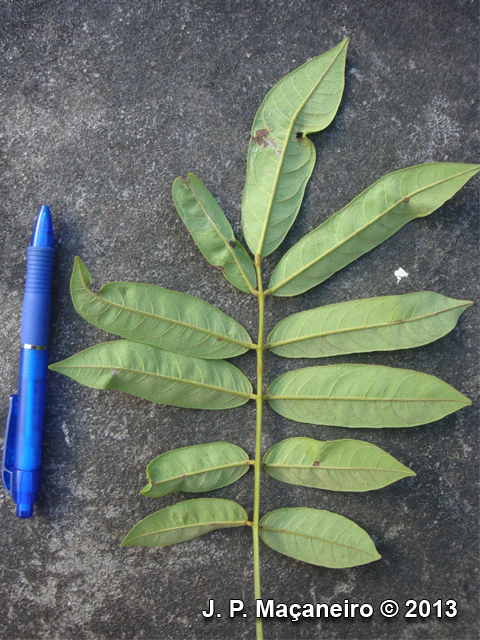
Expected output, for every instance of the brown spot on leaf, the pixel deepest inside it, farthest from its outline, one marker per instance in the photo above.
(232, 244)
(184, 477)
(219, 339)
(261, 138)
(316, 464)
(299, 135)
(407, 199)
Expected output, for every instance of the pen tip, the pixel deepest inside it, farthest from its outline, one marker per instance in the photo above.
(43, 230)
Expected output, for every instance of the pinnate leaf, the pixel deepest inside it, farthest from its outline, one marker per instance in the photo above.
(336, 465)
(372, 217)
(158, 375)
(280, 156)
(212, 232)
(185, 521)
(357, 395)
(198, 468)
(162, 318)
(370, 324)
(317, 537)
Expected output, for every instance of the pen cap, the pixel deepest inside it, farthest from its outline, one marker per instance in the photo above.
(38, 296)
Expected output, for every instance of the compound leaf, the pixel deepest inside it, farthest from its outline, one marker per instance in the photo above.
(280, 156)
(197, 468)
(372, 217)
(212, 232)
(336, 465)
(185, 521)
(357, 395)
(162, 318)
(158, 375)
(317, 537)
(371, 324)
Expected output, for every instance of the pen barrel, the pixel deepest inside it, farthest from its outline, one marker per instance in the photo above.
(31, 404)
(38, 296)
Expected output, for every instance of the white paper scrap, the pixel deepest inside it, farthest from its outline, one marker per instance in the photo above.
(400, 274)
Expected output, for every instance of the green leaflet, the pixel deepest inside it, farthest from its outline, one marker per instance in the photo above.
(198, 468)
(280, 156)
(160, 317)
(356, 395)
(368, 220)
(185, 521)
(336, 465)
(317, 537)
(212, 232)
(158, 375)
(371, 324)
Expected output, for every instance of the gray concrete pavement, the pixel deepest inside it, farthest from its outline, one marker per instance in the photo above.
(102, 106)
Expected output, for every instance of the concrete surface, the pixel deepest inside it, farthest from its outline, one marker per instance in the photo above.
(103, 105)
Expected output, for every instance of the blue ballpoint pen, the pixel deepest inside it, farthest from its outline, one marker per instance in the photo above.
(23, 437)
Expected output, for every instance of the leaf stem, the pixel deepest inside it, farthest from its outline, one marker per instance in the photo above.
(258, 447)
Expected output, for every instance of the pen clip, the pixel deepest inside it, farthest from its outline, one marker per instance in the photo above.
(9, 444)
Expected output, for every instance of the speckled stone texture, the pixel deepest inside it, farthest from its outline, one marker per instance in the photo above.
(102, 106)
